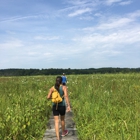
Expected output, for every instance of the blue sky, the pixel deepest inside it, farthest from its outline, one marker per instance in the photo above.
(69, 33)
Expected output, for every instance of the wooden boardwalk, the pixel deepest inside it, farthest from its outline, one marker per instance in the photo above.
(70, 126)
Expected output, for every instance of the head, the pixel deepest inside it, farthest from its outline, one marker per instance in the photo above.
(63, 73)
(58, 82)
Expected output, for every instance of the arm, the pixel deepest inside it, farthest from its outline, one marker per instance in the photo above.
(50, 93)
(66, 98)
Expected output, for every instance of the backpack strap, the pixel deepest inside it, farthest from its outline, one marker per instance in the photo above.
(58, 92)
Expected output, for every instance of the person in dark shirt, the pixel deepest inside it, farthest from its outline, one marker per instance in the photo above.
(63, 106)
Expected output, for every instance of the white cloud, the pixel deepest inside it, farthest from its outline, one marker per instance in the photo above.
(38, 40)
(114, 38)
(109, 39)
(79, 2)
(120, 2)
(33, 53)
(47, 37)
(18, 18)
(80, 12)
(126, 2)
(113, 35)
(47, 54)
(115, 23)
(11, 44)
(134, 15)
(110, 2)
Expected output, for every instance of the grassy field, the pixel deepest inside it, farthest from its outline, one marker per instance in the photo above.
(23, 107)
(105, 107)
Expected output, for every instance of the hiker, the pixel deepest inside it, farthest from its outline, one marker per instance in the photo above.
(61, 109)
(64, 79)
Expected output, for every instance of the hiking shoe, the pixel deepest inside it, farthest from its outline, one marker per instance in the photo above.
(65, 133)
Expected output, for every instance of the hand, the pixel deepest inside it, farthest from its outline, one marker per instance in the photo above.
(68, 109)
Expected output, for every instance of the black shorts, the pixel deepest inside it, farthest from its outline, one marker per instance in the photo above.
(63, 84)
(61, 110)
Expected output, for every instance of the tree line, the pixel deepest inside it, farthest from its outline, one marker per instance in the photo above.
(69, 71)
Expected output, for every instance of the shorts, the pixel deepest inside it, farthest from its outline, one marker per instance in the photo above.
(61, 110)
(63, 84)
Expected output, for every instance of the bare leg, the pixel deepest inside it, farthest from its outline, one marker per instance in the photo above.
(63, 123)
(56, 120)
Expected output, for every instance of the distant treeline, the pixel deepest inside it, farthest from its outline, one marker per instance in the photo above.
(54, 71)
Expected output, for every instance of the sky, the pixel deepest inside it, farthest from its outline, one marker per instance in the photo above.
(74, 34)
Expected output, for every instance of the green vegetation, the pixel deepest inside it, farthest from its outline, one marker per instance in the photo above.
(23, 107)
(105, 106)
(51, 71)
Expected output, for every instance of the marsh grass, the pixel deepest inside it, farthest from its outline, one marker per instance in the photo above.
(106, 107)
(24, 109)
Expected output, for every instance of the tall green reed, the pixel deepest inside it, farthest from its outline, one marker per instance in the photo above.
(24, 109)
(106, 107)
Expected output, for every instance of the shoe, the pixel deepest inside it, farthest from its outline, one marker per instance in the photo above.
(65, 133)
